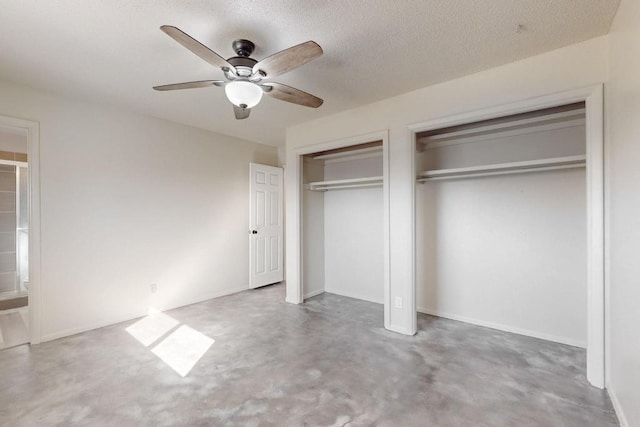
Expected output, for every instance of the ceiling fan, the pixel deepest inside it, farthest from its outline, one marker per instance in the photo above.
(246, 78)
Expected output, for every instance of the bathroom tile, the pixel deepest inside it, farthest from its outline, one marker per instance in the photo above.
(7, 262)
(8, 241)
(7, 221)
(7, 181)
(7, 282)
(7, 202)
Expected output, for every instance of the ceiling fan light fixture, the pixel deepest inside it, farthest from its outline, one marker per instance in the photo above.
(242, 93)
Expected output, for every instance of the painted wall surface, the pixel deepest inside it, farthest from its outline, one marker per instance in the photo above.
(623, 139)
(571, 67)
(507, 252)
(127, 201)
(354, 233)
(12, 142)
(313, 232)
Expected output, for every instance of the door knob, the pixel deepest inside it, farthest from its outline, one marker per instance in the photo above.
(254, 231)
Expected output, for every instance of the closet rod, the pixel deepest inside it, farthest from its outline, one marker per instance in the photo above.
(502, 172)
(369, 181)
(337, 187)
(554, 163)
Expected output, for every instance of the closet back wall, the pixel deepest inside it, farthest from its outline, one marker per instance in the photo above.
(354, 233)
(506, 251)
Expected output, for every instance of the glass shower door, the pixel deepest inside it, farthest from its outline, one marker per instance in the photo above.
(22, 229)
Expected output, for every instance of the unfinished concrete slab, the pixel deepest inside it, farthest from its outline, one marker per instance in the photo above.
(250, 359)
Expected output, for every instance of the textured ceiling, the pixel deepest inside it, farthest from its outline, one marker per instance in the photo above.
(112, 52)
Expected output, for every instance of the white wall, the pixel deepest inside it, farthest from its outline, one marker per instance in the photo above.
(354, 233)
(313, 232)
(506, 252)
(571, 67)
(12, 142)
(623, 114)
(127, 201)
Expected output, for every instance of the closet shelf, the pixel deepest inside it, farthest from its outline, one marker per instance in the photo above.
(546, 119)
(540, 165)
(372, 181)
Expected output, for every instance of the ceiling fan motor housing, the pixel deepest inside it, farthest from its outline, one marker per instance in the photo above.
(242, 63)
(243, 47)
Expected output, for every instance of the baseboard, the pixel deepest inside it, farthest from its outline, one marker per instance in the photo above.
(505, 328)
(205, 297)
(622, 419)
(313, 293)
(400, 330)
(353, 295)
(138, 314)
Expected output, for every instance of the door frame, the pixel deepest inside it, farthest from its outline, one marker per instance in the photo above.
(33, 161)
(293, 214)
(597, 288)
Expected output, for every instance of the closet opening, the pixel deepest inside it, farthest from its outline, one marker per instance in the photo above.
(343, 222)
(508, 221)
(338, 221)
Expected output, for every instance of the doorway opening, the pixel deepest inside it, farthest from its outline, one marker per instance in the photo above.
(14, 237)
(25, 223)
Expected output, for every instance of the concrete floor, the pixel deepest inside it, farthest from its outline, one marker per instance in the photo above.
(13, 327)
(328, 362)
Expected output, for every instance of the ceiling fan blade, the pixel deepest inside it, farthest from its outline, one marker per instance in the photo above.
(288, 59)
(190, 85)
(291, 94)
(196, 47)
(241, 113)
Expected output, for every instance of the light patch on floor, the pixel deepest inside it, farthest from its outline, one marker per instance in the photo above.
(182, 349)
(341, 421)
(149, 329)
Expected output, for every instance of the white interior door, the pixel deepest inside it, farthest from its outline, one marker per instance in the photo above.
(265, 225)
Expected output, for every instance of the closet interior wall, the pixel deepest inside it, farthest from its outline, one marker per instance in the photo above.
(313, 263)
(343, 229)
(501, 224)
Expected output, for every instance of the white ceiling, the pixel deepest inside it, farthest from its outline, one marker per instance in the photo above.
(112, 51)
